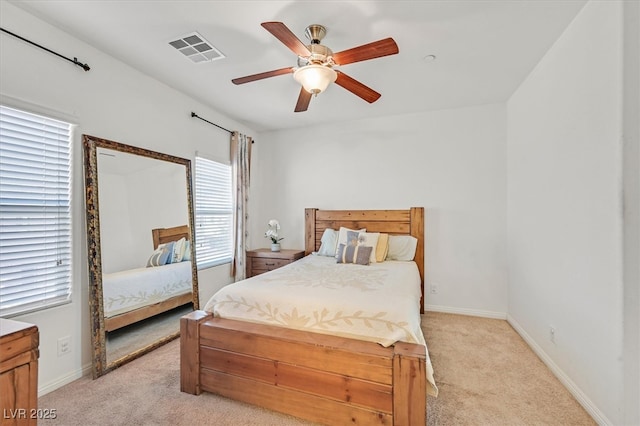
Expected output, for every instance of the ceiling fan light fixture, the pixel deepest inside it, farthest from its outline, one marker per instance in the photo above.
(315, 78)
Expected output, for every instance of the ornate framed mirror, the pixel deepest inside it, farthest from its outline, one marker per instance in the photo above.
(140, 229)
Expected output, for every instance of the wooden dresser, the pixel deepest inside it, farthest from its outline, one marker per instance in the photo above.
(18, 373)
(263, 260)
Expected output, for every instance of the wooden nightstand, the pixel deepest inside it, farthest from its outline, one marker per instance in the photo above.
(19, 372)
(263, 260)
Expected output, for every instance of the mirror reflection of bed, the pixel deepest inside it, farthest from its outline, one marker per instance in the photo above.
(143, 304)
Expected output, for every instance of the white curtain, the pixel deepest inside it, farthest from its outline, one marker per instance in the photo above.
(240, 170)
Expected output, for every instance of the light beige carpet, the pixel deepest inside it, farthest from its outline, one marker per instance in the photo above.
(486, 374)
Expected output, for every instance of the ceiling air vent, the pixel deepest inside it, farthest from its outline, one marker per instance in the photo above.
(196, 48)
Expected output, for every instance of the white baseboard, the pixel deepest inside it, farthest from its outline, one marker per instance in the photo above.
(64, 380)
(466, 311)
(577, 393)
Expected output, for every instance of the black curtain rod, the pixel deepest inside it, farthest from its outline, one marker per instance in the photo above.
(193, 114)
(74, 60)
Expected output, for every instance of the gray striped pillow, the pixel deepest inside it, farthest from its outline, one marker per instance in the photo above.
(354, 254)
(161, 255)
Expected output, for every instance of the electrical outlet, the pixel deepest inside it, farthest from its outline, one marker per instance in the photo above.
(434, 288)
(64, 345)
(552, 334)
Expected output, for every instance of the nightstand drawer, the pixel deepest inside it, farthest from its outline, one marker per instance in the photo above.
(269, 264)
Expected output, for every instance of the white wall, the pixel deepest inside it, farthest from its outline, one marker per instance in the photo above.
(631, 190)
(111, 101)
(451, 162)
(134, 203)
(564, 208)
(117, 241)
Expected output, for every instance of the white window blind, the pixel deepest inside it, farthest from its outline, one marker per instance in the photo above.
(214, 213)
(35, 214)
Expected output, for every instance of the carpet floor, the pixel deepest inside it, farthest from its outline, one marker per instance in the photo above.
(486, 375)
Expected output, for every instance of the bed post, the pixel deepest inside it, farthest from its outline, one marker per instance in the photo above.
(309, 231)
(417, 231)
(190, 351)
(409, 384)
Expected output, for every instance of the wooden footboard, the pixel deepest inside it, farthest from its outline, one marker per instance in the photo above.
(322, 378)
(132, 317)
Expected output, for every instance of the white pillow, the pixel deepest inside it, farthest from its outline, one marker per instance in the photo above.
(402, 247)
(178, 250)
(187, 251)
(328, 243)
(342, 236)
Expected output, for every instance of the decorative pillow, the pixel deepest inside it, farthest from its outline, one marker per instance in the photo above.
(369, 239)
(402, 247)
(169, 248)
(342, 236)
(382, 247)
(187, 251)
(328, 243)
(161, 255)
(354, 254)
(177, 254)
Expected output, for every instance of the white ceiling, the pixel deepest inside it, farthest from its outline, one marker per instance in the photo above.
(484, 50)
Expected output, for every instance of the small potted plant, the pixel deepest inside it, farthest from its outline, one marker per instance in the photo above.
(272, 233)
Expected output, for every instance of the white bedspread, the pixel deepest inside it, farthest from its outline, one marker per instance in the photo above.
(135, 288)
(379, 302)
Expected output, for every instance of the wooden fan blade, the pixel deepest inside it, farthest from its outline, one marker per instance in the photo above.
(365, 52)
(303, 100)
(254, 77)
(357, 88)
(289, 39)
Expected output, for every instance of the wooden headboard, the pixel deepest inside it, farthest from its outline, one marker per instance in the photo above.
(394, 222)
(166, 235)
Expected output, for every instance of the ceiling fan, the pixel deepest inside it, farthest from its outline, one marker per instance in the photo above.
(316, 62)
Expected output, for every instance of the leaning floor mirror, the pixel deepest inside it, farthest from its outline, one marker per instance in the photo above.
(141, 256)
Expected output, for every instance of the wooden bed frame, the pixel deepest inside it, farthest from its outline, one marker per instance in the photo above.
(318, 377)
(160, 236)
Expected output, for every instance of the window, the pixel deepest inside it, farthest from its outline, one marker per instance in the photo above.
(214, 213)
(35, 213)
